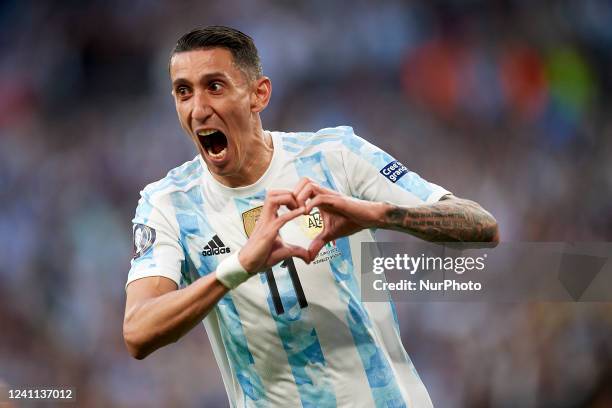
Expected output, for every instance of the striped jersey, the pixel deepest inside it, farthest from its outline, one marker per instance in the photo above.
(296, 335)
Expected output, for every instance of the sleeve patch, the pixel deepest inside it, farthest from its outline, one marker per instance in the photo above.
(144, 237)
(394, 171)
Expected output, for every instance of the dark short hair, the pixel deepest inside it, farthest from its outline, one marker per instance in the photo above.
(238, 43)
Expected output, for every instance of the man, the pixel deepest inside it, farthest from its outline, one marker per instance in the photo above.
(261, 233)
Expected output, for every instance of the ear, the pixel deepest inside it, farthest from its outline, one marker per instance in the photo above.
(260, 96)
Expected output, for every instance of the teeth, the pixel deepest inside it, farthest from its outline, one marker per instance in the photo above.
(206, 132)
(219, 155)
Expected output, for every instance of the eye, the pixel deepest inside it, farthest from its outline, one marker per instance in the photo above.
(182, 91)
(215, 87)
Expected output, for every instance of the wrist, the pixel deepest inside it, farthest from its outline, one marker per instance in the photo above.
(246, 264)
(381, 210)
(231, 273)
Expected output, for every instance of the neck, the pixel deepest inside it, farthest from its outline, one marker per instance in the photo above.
(255, 164)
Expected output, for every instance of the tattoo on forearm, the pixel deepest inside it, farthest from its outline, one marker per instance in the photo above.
(445, 221)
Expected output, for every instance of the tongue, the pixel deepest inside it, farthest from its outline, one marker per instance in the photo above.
(216, 142)
(217, 146)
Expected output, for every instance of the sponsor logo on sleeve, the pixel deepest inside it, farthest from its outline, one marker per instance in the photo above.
(144, 237)
(394, 171)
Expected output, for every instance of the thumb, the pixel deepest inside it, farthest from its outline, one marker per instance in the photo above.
(315, 247)
(299, 252)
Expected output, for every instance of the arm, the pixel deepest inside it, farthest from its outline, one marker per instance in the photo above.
(449, 220)
(157, 314)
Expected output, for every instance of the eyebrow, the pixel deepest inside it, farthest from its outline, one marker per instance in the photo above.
(203, 78)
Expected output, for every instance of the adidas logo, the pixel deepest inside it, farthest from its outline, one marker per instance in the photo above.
(215, 247)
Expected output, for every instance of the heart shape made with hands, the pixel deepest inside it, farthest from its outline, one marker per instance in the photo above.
(268, 226)
(300, 231)
(313, 230)
(329, 215)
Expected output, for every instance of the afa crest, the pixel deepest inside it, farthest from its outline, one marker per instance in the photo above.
(312, 224)
(249, 218)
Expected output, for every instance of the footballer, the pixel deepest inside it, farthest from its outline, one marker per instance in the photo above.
(259, 237)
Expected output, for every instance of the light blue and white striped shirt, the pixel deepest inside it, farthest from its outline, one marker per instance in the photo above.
(282, 341)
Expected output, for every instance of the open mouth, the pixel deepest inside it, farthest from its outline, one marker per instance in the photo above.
(214, 143)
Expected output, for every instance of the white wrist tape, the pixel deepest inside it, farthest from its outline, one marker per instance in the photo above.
(231, 273)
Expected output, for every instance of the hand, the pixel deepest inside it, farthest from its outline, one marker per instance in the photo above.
(342, 215)
(265, 247)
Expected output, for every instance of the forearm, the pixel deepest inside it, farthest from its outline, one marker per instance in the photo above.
(448, 220)
(156, 322)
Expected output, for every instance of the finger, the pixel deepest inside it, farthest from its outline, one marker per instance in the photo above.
(322, 200)
(272, 194)
(295, 251)
(315, 247)
(288, 251)
(310, 192)
(307, 189)
(304, 190)
(299, 252)
(274, 201)
(282, 195)
(304, 181)
(305, 193)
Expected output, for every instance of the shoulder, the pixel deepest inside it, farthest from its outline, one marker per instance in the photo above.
(327, 139)
(180, 179)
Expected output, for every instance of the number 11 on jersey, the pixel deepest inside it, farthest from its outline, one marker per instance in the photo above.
(249, 218)
(295, 280)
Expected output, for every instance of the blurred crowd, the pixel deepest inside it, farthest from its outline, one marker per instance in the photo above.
(505, 102)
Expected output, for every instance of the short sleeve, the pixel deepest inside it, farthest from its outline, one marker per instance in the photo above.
(375, 175)
(157, 249)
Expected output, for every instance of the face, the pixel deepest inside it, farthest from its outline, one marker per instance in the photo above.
(218, 106)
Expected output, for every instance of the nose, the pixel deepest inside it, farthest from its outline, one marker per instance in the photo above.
(201, 109)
